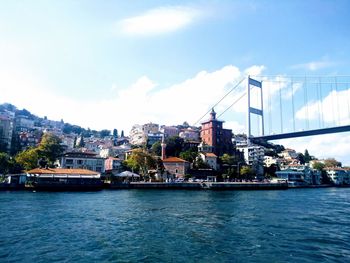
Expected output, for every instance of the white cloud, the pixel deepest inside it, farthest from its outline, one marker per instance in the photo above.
(333, 109)
(159, 20)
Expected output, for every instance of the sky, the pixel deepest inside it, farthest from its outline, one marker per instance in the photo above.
(112, 64)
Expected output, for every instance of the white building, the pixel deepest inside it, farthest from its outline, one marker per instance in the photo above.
(289, 154)
(189, 134)
(211, 159)
(137, 136)
(338, 176)
(82, 160)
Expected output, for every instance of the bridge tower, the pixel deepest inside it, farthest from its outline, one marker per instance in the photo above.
(254, 84)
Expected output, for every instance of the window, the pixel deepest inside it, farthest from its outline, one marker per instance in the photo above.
(69, 161)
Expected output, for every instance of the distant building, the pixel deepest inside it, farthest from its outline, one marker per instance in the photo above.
(153, 138)
(82, 160)
(176, 166)
(210, 159)
(169, 131)
(338, 176)
(189, 134)
(6, 129)
(136, 135)
(300, 173)
(150, 128)
(113, 164)
(289, 154)
(23, 124)
(213, 134)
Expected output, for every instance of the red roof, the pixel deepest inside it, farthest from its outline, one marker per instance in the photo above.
(210, 154)
(61, 171)
(174, 160)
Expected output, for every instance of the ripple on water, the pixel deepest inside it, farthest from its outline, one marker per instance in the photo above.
(304, 225)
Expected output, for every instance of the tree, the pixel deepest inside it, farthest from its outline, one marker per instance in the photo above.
(15, 144)
(331, 162)
(301, 158)
(105, 133)
(28, 159)
(247, 172)
(318, 166)
(174, 146)
(115, 133)
(156, 148)
(140, 161)
(4, 163)
(189, 155)
(122, 134)
(81, 142)
(50, 147)
(307, 156)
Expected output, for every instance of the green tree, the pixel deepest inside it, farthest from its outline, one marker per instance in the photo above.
(319, 166)
(189, 155)
(105, 133)
(156, 148)
(141, 161)
(4, 163)
(247, 172)
(50, 147)
(174, 146)
(81, 142)
(301, 158)
(15, 144)
(28, 159)
(115, 133)
(122, 134)
(307, 156)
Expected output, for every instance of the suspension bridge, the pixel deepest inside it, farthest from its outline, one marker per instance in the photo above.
(281, 107)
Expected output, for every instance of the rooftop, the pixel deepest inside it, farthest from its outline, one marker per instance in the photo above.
(174, 160)
(61, 171)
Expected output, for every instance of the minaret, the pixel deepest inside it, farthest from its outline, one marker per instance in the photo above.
(163, 148)
(212, 114)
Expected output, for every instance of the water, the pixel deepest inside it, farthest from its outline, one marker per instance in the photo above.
(301, 225)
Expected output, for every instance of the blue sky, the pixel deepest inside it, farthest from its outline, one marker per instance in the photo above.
(111, 64)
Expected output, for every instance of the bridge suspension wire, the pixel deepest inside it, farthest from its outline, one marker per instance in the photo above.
(320, 99)
(348, 90)
(337, 98)
(332, 99)
(269, 109)
(306, 102)
(281, 117)
(234, 87)
(238, 99)
(293, 110)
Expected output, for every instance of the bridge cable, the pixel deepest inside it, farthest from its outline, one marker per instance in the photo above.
(269, 109)
(220, 100)
(348, 89)
(306, 102)
(233, 104)
(332, 100)
(280, 93)
(318, 103)
(337, 97)
(321, 101)
(293, 110)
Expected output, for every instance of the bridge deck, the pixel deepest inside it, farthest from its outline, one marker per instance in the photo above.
(345, 128)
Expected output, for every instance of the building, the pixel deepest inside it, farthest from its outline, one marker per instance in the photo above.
(338, 176)
(150, 128)
(213, 134)
(6, 130)
(289, 154)
(82, 160)
(300, 173)
(113, 164)
(176, 166)
(169, 131)
(136, 135)
(23, 124)
(210, 159)
(189, 134)
(271, 160)
(153, 138)
(64, 179)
